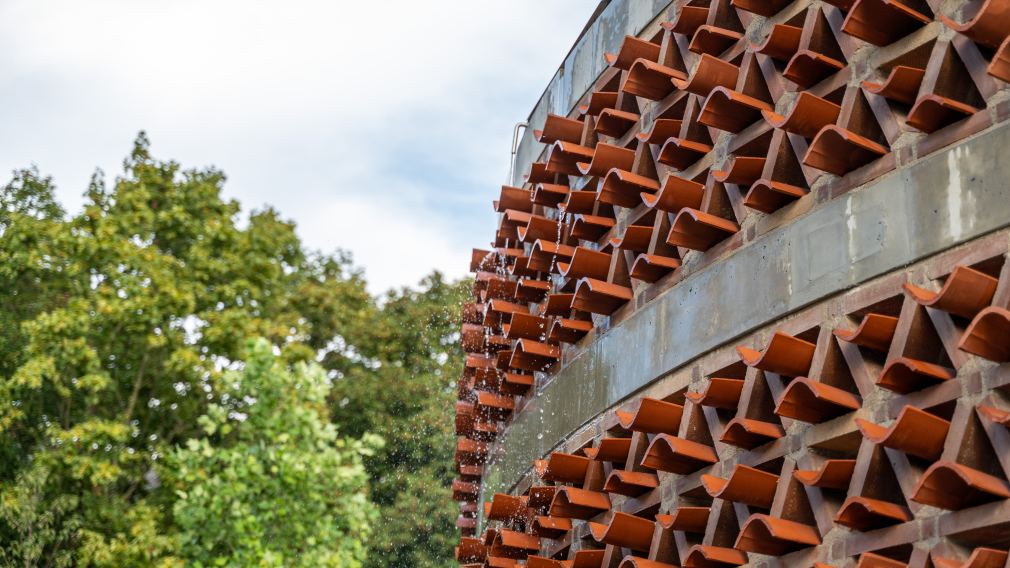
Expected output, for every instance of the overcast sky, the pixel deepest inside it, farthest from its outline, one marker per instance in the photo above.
(379, 127)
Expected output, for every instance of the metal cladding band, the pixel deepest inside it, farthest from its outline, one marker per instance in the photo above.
(750, 302)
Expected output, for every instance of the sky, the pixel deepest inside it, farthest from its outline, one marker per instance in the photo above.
(383, 128)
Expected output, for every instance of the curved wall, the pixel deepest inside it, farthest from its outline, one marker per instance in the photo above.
(914, 212)
(933, 201)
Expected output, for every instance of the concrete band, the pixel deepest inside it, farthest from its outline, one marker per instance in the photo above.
(933, 204)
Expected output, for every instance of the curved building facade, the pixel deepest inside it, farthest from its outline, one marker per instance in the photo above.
(747, 300)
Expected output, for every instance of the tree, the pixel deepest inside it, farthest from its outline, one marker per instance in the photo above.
(271, 483)
(121, 326)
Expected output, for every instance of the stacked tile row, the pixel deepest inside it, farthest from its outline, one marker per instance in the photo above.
(786, 97)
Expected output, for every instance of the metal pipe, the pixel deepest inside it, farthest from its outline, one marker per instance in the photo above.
(515, 149)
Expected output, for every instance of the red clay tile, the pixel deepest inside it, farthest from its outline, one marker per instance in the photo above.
(610, 450)
(563, 157)
(505, 507)
(988, 335)
(559, 128)
(806, 68)
(546, 254)
(562, 468)
(768, 196)
(530, 355)
(632, 49)
(713, 39)
(526, 326)
(988, 24)
(915, 432)
(932, 112)
(901, 85)
(905, 375)
(688, 20)
(741, 170)
(838, 151)
(615, 123)
(591, 227)
(575, 503)
(745, 485)
(999, 67)
(517, 383)
(980, 558)
(814, 402)
(587, 559)
(719, 393)
(598, 102)
(761, 7)
(541, 562)
(784, 355)
(748, 434)
(764, 534)
(636, 238)
(729, 110)
(662, 130)
(686, 519)
(953, 486)
(579, 202)
(549, 194)
(494, 406)
(558, 305)
(630, 483)
(711, 72)
(782, 42)
(965, 292)
(698, 230)
(470, 550)
(606, 157)
(550, 527)
(586, 263)
(514, 544)
(875, 332)
(541, 496)
(514, 198)
(566, 330)
(677, 455)
(464, 491)
(703, 556)
(624, 530)
(882, 22)
(599, 297)
(623, 188)
(808, 116)
(675, 194)
(994, 414)
(651, 416)
(650, 80)
(832, 474)
(865, 514)
(651, 267)
(681, 154)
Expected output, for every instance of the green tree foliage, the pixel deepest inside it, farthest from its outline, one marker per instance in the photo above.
(119, 326)
(271, 483)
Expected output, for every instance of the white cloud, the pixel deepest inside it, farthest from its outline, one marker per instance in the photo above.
(359, 120)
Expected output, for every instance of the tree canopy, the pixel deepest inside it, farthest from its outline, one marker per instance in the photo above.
(182, 385)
